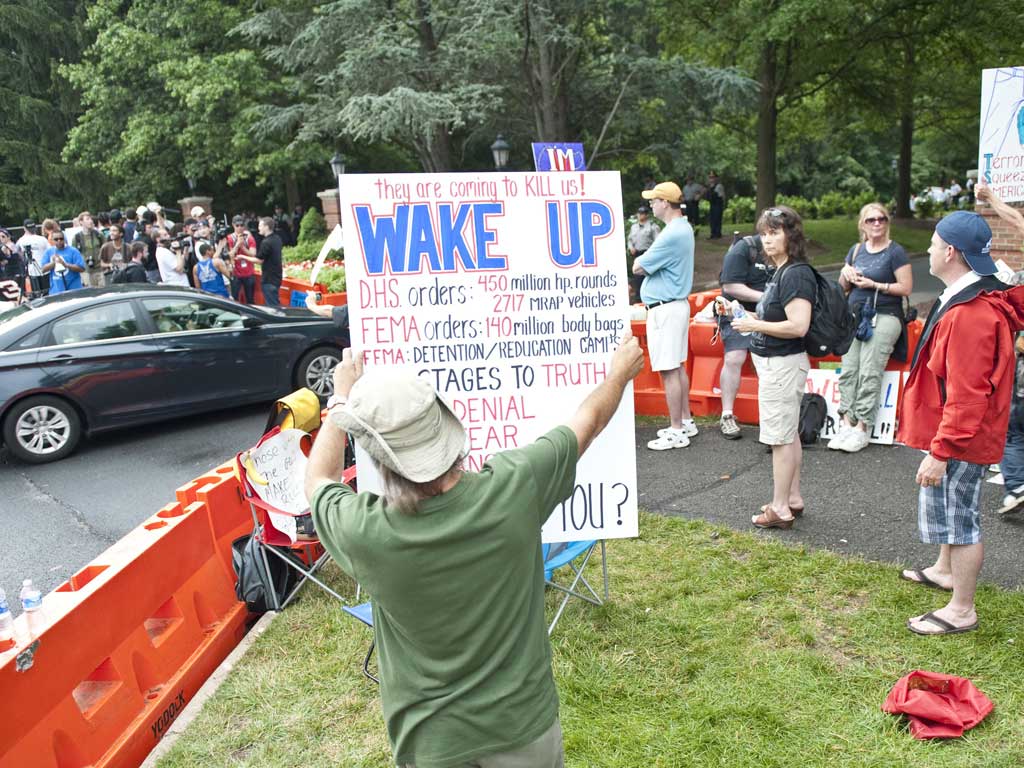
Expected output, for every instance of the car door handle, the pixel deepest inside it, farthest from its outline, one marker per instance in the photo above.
(176, 349)
(65, 358)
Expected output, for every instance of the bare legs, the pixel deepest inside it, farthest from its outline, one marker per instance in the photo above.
(958, 567)
(729, 379)
(786, 461)
(677, 395)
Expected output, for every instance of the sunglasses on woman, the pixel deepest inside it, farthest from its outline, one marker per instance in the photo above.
(876, 220)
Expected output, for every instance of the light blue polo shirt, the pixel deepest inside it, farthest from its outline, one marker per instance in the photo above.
(668, 264)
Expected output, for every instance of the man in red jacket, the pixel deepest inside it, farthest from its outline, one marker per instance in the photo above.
(956, 406)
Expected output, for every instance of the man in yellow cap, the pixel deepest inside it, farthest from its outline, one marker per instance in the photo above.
(667, 267)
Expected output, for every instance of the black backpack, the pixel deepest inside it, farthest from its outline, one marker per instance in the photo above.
(254, 585)
(813, 411)
(833, 323)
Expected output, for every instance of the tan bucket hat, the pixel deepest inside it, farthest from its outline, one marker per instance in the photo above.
(403, 423)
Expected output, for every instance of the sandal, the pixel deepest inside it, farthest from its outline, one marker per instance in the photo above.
(945, 628)
(770, 519)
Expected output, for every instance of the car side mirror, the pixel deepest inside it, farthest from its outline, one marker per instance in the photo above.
(251, 322)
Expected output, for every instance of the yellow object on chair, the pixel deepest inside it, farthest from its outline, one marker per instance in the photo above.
(299, 410)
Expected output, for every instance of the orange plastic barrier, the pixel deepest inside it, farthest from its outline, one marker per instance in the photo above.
(707, 358)
(128, 641)
(704, 367)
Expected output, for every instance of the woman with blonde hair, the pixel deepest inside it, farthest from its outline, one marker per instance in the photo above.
(877, 275)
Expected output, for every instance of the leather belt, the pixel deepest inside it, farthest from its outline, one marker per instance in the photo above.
(659, 303)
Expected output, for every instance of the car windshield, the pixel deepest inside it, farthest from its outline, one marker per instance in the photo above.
(9, 317)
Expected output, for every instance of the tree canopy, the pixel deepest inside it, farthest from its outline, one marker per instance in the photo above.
(121, 101)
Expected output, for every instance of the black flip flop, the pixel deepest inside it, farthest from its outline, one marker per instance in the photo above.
(947, 628)
(924, 581)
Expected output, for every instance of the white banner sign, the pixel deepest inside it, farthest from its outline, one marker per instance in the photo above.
(1001, 141)
(507, 292)
(825, 382)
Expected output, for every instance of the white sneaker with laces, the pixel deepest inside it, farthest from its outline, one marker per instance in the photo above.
(1012, 503)
(857, 440)
(840, 436)
(730, 429)
(673, 438)
(689, 428)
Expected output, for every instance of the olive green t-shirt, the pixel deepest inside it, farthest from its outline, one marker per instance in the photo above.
(458, 602)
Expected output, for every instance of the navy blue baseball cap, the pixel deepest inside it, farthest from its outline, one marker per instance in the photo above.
(970, 234)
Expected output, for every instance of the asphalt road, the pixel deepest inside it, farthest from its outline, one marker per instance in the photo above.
(58, 517)
(862, 504)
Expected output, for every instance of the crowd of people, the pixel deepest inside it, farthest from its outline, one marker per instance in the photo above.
(144, 245)
(956, 405)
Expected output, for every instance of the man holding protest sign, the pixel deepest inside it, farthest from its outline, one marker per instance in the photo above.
(453, 561)
(668, 269)
(956, 406)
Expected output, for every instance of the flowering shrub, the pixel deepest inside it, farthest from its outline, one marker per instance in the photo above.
(332, 275)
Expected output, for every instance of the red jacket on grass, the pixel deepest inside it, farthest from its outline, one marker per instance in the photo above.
(956, 404)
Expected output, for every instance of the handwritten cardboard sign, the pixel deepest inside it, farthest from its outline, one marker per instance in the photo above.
(508, 293)
(825, 382)
(1001, 139)
(280, 469)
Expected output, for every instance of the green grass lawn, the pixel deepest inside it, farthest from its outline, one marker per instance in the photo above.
(717, 649)
(830, 239)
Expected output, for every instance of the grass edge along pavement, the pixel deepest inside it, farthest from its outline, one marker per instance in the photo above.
(718, 648)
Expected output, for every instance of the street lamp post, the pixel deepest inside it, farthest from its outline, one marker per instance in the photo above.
(338, 165)
(500, 149)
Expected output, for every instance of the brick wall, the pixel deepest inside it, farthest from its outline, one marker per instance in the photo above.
(1007, 241)
(330, 204)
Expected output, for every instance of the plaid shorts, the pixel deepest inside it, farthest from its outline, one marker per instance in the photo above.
(950, 513)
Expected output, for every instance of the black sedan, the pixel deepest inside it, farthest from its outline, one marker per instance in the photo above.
(96, 359)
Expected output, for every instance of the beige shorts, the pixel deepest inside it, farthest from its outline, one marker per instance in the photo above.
(668, 332)
(781, 383)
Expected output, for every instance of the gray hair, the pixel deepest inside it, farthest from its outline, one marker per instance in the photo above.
(404, 494)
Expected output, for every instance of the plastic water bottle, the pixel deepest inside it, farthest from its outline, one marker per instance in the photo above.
(737, 312)
(6, 624)
(32, 605)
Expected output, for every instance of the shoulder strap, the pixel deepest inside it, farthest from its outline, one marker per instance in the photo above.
(753, 249)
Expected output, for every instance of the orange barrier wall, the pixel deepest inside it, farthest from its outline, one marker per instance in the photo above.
(129, 639)
(704, 367)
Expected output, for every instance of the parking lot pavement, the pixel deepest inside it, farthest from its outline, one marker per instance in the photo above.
(862, 504)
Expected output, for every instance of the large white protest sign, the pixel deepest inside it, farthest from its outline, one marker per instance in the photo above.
(1001, 140)
(825, 382)
(508, 293)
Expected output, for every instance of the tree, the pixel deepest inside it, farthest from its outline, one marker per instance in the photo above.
(170, 95)
(800, 48)
(419, 74)
(39, 108)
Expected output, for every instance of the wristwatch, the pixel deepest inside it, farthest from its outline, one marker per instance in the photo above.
(335, 400)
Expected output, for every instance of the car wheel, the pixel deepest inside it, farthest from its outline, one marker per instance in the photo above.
(316, 369)
(41, 429)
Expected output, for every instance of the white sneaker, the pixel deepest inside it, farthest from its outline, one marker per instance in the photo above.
(857, 440)
(689, 428)
(840, 437)
(1012, 503)
(673, 438)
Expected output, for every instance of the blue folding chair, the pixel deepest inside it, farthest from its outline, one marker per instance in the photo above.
(364, 612)
(575, 554)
